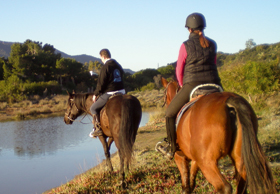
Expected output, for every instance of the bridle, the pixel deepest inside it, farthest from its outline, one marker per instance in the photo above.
(72, 103)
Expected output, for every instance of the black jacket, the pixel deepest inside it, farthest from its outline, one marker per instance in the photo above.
(110, 78)
(200, 64)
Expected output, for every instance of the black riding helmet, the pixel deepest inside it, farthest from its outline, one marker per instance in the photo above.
(196, 21)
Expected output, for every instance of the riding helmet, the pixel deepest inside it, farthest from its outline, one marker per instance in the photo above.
(195, 21)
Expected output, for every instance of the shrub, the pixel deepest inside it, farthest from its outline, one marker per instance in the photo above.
(11, 89)
(150, 86)
(252, 78)
(41, 88)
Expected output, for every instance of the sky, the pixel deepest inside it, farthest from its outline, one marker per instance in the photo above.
(140, 34)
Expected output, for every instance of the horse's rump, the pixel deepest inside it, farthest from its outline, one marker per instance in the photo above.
(121, 117)
(202, 126)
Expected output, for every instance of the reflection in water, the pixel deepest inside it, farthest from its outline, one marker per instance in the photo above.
(37, 155)
(38, 137)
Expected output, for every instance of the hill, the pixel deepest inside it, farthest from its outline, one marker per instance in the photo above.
(5, 49)
(259, 53)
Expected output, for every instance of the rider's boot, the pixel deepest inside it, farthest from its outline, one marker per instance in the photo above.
(96, 131)
(171, 136)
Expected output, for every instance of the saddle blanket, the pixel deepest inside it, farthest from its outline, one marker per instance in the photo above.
(184, 109)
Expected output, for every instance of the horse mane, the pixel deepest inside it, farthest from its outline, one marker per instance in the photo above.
(80, 100)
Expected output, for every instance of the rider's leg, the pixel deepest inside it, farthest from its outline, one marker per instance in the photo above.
(95, 109)
(96, 125)
(171, 135)
(181, 98)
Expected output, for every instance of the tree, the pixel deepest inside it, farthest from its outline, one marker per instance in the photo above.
(69, 69)
(250, 44)
(168, 70)
(2, 62)
(32, 62)
(94, 66)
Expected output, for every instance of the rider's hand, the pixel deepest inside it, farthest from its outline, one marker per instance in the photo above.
(93, 98)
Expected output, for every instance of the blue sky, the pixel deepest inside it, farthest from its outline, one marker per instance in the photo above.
(140, 34)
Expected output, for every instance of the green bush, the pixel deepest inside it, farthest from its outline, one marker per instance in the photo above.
(252, 78)
(167, 70)
(41, 88)
(150, 86)
(11, 90)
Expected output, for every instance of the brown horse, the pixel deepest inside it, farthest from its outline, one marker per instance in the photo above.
(120, 119)
(217, 125)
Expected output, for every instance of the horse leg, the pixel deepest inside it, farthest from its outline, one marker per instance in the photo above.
(240, 175)
(110, 141)
(212, 173)
(106, 148)
(183, 166)
(122, 174)
(194, 170)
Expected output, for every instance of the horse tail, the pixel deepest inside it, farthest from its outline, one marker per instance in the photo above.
(258, 174)
(131, 114)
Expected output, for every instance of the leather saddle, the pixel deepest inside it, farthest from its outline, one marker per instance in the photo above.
(196, 94)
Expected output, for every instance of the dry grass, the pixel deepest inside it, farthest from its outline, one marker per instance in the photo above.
(36, 107)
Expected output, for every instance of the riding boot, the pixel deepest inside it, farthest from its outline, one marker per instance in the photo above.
(96, 131)
(171, 136)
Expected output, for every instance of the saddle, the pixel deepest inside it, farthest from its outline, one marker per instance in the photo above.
(196, 94)
(115, 94)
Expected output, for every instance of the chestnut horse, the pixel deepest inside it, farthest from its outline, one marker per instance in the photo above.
(217, 125)
(119, 119)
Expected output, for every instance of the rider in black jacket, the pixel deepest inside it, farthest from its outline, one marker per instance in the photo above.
(110, 81)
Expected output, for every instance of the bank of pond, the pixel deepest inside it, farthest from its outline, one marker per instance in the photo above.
(40, 154)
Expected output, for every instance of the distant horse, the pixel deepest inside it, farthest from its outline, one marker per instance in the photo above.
(217, 125)
(120, 119)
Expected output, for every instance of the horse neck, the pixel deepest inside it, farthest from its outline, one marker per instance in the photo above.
(172, 90)
(80, 101)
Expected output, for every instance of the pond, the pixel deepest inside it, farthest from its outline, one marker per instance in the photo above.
(37, 155)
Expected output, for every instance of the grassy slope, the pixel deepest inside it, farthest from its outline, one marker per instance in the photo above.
(152, 173)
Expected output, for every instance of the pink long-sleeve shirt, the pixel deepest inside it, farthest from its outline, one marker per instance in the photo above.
(181, 62)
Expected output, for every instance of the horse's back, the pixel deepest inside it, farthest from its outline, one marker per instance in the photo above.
(205, 127)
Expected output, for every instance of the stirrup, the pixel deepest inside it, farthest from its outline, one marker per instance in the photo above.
(162, 146)
(97, 132)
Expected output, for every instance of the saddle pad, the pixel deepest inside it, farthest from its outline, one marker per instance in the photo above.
(184, 109)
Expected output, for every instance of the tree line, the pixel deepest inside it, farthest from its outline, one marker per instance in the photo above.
(36, 69)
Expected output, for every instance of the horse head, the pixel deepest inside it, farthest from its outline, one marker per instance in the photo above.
(171, 88)
(72, 111)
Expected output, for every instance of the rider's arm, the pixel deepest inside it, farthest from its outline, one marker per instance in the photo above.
(102, 81)
(181, 64)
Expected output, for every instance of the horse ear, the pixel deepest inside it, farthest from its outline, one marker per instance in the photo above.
(73, 92)
(164, 82)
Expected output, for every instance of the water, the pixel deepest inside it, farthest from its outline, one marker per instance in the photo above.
(37, 155)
